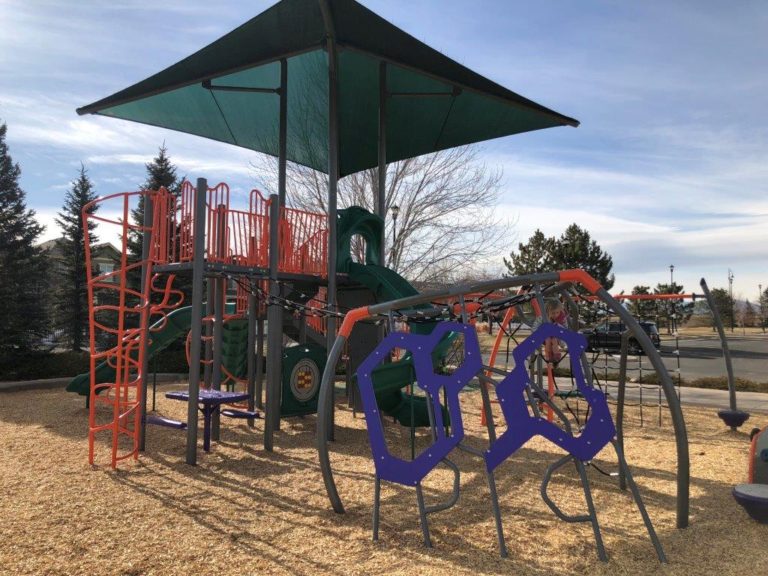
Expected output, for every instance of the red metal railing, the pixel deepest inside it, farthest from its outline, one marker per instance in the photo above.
(236, 236)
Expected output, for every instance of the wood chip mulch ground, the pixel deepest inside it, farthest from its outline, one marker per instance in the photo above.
(245, 511)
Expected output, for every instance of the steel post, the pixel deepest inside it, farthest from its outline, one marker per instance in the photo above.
(678, 422)
(146, 245)
(198, 273)
(259, 363)
(220, 296)
(381, 198)
(251, 370)
(274, 329)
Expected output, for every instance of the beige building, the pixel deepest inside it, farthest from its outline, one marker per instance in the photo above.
(105, 255)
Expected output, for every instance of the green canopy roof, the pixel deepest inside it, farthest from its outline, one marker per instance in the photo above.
(434, 103)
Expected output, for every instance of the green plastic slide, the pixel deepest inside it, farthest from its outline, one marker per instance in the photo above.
(178, 323)
(390, 379)
(234, 348)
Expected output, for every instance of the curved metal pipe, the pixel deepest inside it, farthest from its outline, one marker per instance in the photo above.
(676, 412)
(723, 342)
(325, 409)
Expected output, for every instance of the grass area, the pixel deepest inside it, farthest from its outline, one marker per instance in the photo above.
(712, 383)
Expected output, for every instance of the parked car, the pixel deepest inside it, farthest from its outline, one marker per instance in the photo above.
(607, 336)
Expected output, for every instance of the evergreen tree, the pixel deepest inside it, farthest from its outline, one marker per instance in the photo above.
(642, 309)
(674, 312)
(724, 304)
(574, 249)
(72, 307)
(533, 256)
(22, 264)
(762, 308)
(160, 173)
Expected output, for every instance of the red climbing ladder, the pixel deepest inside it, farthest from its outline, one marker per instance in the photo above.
(120, 313)
(118, 317)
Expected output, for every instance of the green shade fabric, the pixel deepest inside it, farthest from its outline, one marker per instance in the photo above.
(466, 107)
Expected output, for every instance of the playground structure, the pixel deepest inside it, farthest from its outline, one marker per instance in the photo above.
(292, 67)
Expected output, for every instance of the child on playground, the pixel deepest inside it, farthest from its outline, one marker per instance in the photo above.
(556, 314)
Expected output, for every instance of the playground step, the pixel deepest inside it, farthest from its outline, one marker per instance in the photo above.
(166, 422)
(565, 394)
(242, 414)
(754, 499)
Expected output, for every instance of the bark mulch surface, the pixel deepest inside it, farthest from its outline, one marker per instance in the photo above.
(245, 511)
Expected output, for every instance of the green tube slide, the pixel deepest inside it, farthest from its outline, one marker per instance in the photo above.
(178, 323)
(390, 379)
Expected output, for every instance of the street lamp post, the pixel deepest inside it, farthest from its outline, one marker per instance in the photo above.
(395, 210)
(730, 295)
(672, 291)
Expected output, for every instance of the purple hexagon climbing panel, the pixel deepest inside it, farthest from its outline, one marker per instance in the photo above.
(522, 426)
(392, 468)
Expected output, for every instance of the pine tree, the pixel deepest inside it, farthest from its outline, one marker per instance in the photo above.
(22, 264)
(72, 307)
(574, 249)
(724, 303)
(643, 309)
(160, 173)
(675, 312)
(532, 257)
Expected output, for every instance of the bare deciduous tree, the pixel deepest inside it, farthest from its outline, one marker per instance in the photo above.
(446, 227)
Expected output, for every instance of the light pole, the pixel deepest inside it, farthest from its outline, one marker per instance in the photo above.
(730, 294)
(395, 210)
(762, 312)
(672, 291)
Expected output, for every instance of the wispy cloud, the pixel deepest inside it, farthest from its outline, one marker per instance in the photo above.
(667, 167)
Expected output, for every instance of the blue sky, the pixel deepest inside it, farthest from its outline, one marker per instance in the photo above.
(668, 167)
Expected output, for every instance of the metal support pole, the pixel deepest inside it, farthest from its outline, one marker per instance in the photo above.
(620, 401)
(220, 296)
(283, 137)
(274, 329)
(198, 271)
(274, 312)
(723, 342)
(210, 298)
(676, 413)
(259, 363)
(381, 199)
(333, 180)
(252, 312)
(146, 244)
